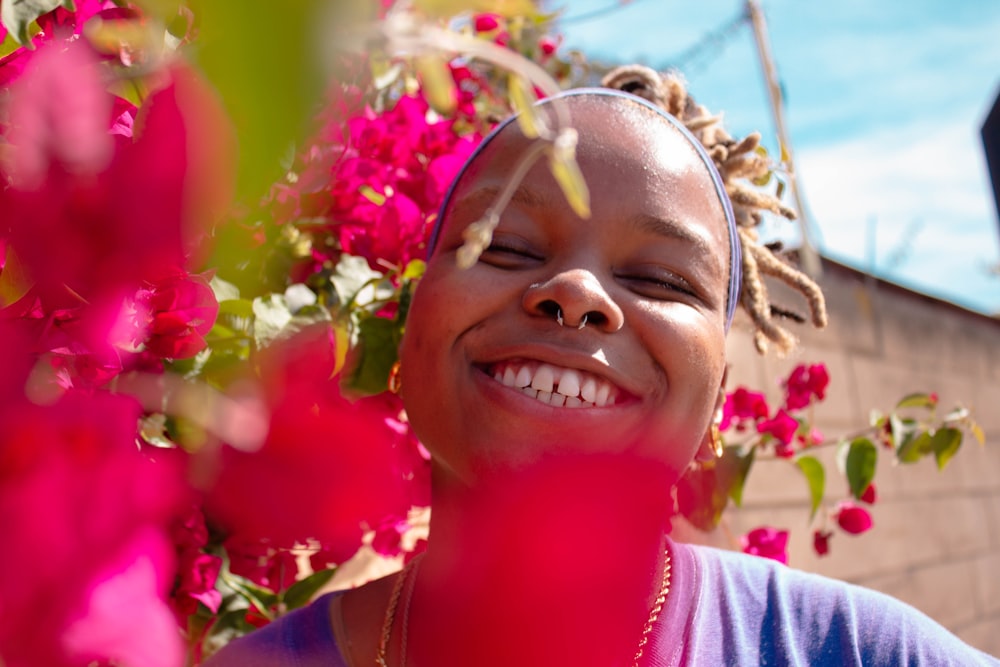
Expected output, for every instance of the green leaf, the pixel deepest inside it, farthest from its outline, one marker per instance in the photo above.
(17, 15)
(902, 431)
(860, 465)
(236, 307)
(264, 61)
(566, 171)
(261, 598)
(14, 279)
(977, 433)
(522, 98)
(301, 592)
(351, 275)
(815, 475)
(9, 45)
(916, 401)
(702, 497)
(914, 448)
(377, 349)
(415, 269)
(437, 83)
(271, 316)
(945, 443)
(223, 289)
(734, 468)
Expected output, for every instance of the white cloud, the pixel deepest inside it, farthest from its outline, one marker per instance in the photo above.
(932, 176)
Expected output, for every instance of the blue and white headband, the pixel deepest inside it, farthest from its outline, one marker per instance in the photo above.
(735, 253)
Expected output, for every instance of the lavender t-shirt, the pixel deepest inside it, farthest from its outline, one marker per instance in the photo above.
(733, 609)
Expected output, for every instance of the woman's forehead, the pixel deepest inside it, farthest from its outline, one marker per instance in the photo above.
(618, 140)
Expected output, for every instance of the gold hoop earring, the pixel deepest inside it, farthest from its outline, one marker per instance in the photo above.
(717, 447)
(395, 382)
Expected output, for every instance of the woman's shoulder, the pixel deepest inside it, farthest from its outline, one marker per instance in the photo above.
(301, 638)
(760, 606)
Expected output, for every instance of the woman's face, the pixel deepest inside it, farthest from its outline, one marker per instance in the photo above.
(486, 365)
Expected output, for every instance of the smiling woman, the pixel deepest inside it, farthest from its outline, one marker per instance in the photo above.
(562, 384)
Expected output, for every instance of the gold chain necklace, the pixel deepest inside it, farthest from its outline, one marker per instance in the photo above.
(409, 572)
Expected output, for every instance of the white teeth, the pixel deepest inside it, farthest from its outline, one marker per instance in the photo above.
(544, 378)
(552, 385)
(601, 398)
(569, 383)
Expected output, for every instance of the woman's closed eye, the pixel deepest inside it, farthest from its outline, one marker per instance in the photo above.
(660, 284)
(509, 253)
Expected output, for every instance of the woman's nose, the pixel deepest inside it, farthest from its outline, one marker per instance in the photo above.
(574, 298)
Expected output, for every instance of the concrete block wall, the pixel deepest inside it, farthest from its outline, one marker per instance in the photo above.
(936, 540)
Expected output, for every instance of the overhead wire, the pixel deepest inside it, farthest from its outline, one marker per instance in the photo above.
(598, 13)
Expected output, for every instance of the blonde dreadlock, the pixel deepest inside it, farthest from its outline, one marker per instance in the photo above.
(739, 164)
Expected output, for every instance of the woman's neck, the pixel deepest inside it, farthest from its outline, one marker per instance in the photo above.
(559, 564)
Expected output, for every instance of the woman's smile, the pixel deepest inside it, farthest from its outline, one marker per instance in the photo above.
(594, 335)
(555, 385)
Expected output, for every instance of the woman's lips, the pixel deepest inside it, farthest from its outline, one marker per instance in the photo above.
(555, 385)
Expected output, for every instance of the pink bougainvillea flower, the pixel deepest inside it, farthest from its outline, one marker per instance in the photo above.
(59, 117)
(389, 174)
(782, 427)
(870, 495)
(486, 22)
(821, 542)
(853, 519)
(804, 384)
(177, 314)
(548, 45)
(387, 540)
(72, 478)
(814, 437)
(125, 619)
(272, 568)
(742, 405)
(74, 216)
(767, 542)
(336, 458)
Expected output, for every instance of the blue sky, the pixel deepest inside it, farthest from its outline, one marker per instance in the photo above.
(884, 103)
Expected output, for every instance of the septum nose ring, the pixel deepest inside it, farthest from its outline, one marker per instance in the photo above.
(561, 321)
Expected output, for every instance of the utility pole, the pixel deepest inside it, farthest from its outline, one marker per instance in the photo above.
(810, 258)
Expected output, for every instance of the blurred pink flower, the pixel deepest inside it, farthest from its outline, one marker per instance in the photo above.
(767, 542)
(870, 495)
(821, 542)
(742, 405)
(853, 519)
(72, 478)
(782, 427)
(486, 22)
(388, 536)
(329, 465)
(125, 619)
(272, 568)
(176, 315)
(98, 217)
(197, 571)
(804, 384)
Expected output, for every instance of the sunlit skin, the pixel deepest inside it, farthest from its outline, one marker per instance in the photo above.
(649, 269)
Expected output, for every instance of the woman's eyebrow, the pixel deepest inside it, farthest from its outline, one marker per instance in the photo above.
(672, 229)
(489, 194)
